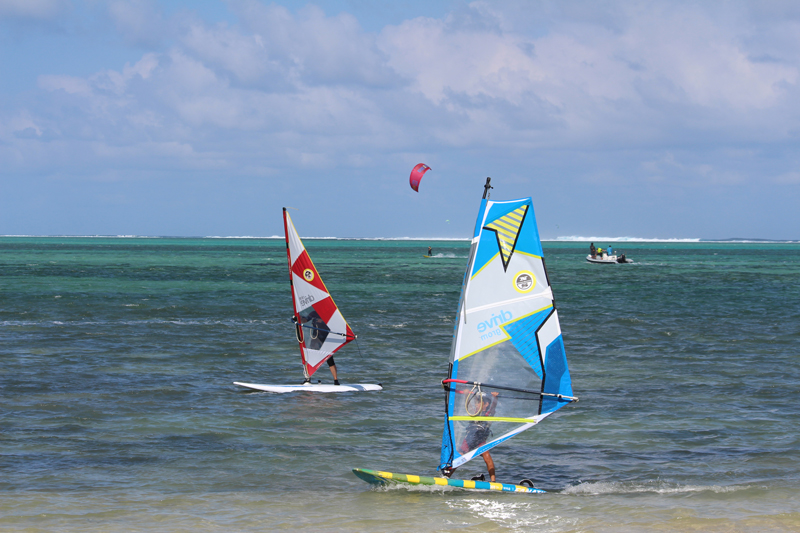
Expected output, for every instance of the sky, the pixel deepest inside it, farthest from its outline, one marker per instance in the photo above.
(199, 118)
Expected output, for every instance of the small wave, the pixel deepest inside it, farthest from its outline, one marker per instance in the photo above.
(580, 238)
(656, 487)
(177, 322)
(101, 236)
(242, 237)
(19, 323)
(414, 488)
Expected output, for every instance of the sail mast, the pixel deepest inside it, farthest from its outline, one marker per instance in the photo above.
(486, 188)
(296, 318)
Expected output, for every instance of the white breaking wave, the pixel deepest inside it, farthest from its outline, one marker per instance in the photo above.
(448, 256)
(242, 237)
(577, 238)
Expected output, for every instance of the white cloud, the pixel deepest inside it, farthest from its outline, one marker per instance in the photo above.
(591, 80)
(788, 178)
(316, 49)
(138, 21)
(68, 84)
(245, 56)
(32, 9)
(304, 88)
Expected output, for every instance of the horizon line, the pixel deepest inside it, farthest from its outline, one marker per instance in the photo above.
(572, 238)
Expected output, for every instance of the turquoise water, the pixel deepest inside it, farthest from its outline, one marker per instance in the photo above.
(117, 410)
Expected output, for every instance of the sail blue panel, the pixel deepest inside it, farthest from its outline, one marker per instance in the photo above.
(448, 449)
(480, 218)
(488, 446)
(528, 240)
(501, 209)
(557, 380)
(523, 337)
(447, 445)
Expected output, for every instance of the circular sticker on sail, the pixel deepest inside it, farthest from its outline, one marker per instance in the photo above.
(308, 275)
(524, 281)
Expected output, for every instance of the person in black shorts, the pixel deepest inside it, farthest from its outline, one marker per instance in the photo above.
(318, 332)
(332, 366)
(479, 432)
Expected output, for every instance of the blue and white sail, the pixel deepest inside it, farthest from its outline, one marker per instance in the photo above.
(508, 368)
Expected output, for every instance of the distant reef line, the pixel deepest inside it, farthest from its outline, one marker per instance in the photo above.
(576, 239)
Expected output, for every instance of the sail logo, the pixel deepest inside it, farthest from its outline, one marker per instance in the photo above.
(305, 301)
(524, 281)
(490, 328)
(507, 229)
(308, 275)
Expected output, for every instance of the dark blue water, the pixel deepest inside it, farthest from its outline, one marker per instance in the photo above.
(117, 409)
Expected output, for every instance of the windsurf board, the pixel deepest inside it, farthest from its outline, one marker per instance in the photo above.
(377, 477)
(312, 387)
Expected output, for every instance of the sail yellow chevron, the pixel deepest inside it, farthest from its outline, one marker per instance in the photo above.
(507, 229)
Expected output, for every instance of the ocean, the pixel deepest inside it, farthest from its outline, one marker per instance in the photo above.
(118, 412)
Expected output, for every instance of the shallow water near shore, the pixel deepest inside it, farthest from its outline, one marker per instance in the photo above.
(118, 412)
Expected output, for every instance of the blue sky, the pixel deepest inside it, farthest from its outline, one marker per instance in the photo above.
(645, 119)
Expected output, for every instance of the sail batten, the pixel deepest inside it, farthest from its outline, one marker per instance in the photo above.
(322, 329)
(508, 368)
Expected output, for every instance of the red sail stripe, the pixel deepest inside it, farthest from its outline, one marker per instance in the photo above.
(304, 263)
(325, 309)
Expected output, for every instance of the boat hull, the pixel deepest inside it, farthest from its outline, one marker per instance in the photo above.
(610, 261)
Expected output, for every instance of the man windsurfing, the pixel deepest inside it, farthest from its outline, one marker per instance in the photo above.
(478, 404)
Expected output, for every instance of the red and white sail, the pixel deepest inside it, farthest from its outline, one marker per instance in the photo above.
(321, 329)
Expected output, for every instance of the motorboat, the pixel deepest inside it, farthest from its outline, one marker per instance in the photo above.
(606, 259)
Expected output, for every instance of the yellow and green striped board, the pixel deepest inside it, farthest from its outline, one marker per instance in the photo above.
(377, 477)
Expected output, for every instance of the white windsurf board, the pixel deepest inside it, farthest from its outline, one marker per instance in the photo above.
(312, 387)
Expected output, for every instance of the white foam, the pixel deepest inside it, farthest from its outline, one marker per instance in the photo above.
(516, 513)
(655, 487)
(577, 238)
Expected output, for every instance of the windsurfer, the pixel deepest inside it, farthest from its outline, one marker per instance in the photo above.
(478, 432)
(430, 252)
(319, 332)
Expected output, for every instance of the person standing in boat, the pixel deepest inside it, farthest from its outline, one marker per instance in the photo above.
(610, 251)
(592, 250)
